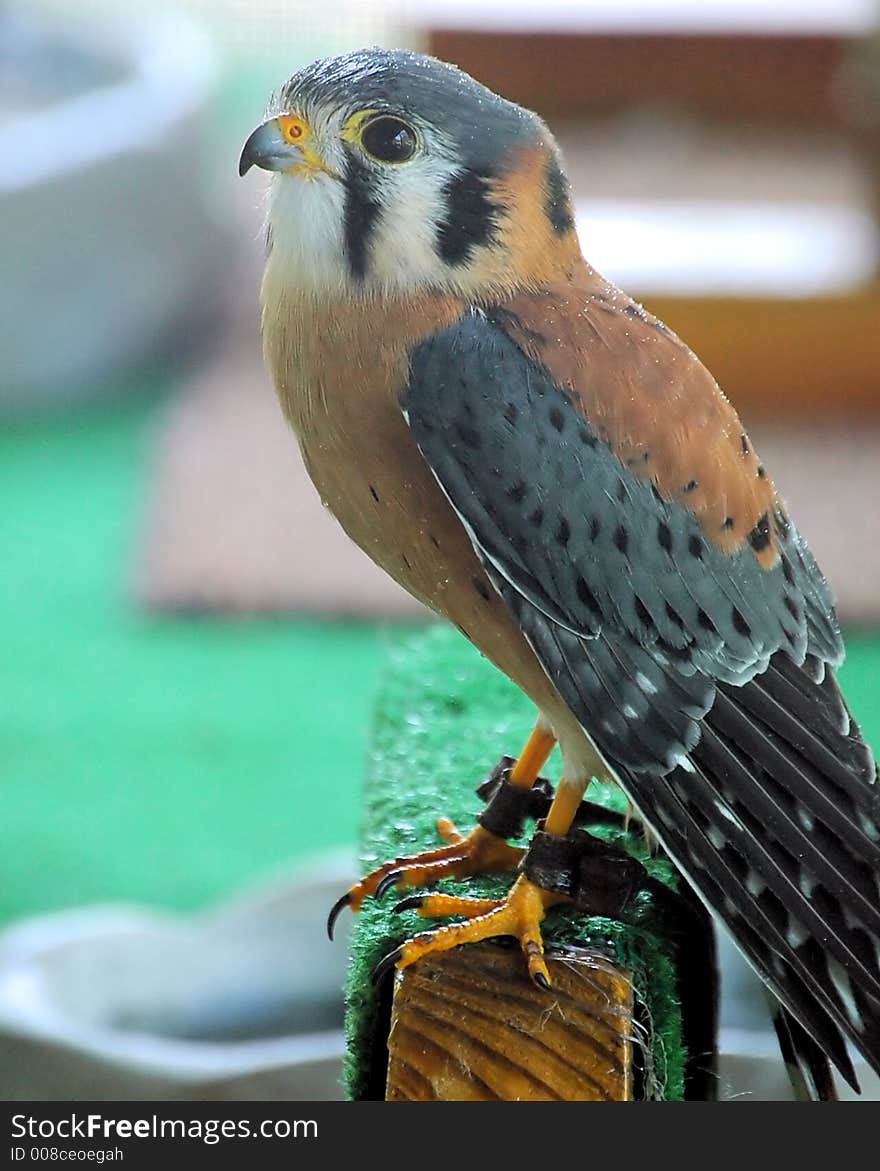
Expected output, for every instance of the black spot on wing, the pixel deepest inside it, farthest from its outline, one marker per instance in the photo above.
(740, 623)
(470, 219)
(759, 537)
(468, 435)
(673, 615)
(557, 419)
(587, 596)
(644, 614)
(705, 621)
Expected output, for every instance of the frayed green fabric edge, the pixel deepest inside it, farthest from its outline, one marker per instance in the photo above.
(444, 717)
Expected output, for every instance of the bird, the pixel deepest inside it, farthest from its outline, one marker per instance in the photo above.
(550, 468)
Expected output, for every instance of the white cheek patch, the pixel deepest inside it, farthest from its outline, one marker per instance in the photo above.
(307, 222)
(402, 251)
(306, 217)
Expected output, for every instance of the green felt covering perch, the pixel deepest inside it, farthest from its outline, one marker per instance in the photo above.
(444, 717)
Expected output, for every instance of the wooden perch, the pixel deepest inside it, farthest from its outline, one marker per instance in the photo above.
(468, 1025)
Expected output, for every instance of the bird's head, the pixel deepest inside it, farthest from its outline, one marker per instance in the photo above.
(396, 173)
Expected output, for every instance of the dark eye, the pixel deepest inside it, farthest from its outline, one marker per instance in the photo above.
(389, 140)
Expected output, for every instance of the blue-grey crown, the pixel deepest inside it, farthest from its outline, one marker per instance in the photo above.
(483, 125)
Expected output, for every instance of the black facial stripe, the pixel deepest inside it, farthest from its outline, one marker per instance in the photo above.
(362, 209)
(557, 201)
(470, 220)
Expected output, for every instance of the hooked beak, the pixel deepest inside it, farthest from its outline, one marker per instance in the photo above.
(284, 143)
(268, 148)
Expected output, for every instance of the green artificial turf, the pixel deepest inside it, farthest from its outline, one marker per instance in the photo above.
(147, 758)
(444, 717)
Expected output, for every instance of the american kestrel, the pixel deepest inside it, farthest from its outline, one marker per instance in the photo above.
(542, 462)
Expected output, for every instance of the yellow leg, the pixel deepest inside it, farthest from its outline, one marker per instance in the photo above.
(533, 756)
(478, 852)
(564, 807)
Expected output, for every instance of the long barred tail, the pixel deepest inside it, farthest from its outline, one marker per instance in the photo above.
(777, 827)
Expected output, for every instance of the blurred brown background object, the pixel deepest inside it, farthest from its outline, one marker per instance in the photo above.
(717, 109)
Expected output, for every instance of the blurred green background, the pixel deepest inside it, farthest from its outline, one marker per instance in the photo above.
(164, 760)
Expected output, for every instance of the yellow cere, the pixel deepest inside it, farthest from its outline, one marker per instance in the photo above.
(293, 129)
(296, 133)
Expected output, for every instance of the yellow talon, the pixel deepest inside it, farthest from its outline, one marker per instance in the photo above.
(480, 852)
(435, 906)
(519, 914)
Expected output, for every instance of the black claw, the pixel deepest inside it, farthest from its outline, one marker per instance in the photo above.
(385, 965)
(335, 912)
(387, 882)
(541, 980)
(410, 903)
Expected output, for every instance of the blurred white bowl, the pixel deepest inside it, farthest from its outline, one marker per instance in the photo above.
(107, 246)
(240, 1003)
